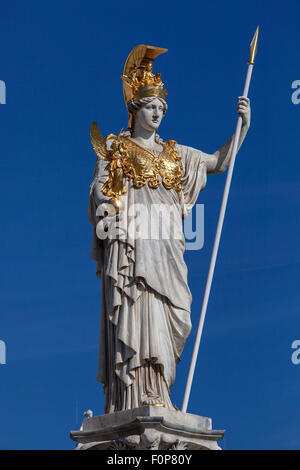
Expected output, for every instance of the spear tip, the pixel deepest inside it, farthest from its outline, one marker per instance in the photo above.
(253, 47)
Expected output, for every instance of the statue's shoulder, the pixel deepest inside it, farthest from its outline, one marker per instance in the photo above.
(101, 145)
(171, 147)
(173, 144)
(113, 141)
(109, 139)
(186, 149)
(189, 155)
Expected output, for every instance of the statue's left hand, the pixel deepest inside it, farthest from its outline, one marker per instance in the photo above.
(244, 110)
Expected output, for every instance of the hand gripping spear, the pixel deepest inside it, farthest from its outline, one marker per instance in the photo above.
(253, 50)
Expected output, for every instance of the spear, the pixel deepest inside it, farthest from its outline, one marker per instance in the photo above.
(253, 51)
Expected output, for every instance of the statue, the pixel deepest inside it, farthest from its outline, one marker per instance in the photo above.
(146, 301)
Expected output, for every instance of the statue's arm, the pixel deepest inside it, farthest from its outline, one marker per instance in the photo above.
(100, 177)
(98, 195)
(219, 160)
(104, 211)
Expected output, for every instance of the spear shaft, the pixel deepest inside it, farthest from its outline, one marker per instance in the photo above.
(253, 50)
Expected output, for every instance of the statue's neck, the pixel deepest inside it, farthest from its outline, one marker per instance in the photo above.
(146, 138)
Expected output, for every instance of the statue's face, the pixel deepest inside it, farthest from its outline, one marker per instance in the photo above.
(150, 115)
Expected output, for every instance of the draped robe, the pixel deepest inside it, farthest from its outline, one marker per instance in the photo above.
(146, 301)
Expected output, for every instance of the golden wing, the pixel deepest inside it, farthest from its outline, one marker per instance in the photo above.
(99, 143)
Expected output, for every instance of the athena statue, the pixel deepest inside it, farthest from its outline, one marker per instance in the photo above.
(143, 187)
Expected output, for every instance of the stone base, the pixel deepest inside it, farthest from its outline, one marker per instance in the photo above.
(147, 428)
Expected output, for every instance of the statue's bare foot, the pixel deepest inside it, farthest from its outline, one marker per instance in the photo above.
(152, 399)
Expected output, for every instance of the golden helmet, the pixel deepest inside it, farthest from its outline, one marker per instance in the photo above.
(138, 79)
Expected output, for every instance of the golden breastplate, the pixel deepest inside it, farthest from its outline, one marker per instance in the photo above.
(131, 161)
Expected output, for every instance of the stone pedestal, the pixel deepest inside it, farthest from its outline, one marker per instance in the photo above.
(147, 428)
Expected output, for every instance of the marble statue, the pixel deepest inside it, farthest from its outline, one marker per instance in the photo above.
(146, 301)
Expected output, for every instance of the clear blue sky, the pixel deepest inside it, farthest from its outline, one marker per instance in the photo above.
(61, 62)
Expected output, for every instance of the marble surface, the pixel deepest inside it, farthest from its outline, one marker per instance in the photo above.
(148, 428)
